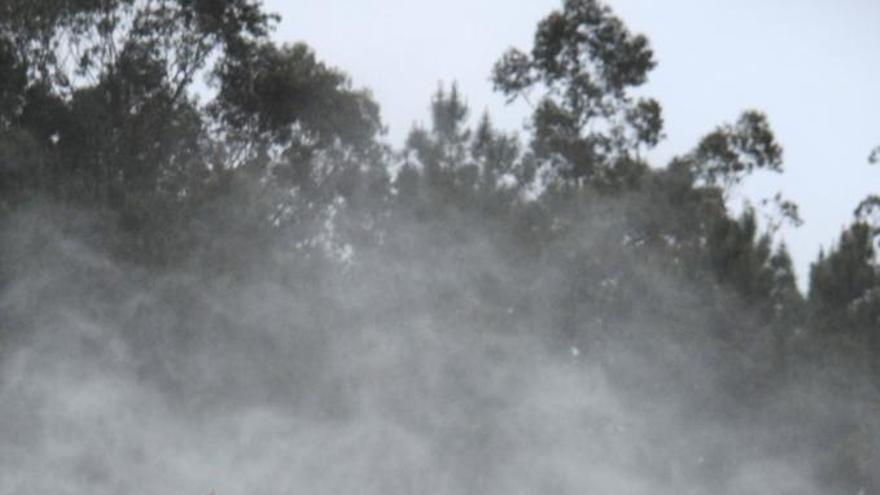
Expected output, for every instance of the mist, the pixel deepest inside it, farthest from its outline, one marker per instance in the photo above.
(243, 288)
(394, 372)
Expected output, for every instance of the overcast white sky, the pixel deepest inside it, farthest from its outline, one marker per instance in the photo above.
(812, 65)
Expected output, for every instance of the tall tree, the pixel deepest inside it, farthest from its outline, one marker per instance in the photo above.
(845, 292)
(460, 165)
(586, 123)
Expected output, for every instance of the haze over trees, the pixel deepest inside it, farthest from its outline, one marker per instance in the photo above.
(196, 165)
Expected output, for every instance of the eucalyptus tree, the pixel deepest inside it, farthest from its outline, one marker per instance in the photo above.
(585, 64)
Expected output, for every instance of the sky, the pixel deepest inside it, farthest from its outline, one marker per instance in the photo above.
(812, 65)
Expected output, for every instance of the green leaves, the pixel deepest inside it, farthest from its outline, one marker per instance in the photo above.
(457, 165)
(512, 75)
(586, 62)
(73, 43)
(283, 90)
(843, 278)
(733, 151)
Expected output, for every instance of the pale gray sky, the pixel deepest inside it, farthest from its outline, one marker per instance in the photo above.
(812, 65)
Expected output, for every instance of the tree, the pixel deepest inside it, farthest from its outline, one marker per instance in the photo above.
(441, 152)
(71, 43)
(730, 153)
(297, 125)
(845, 283)
(459, 165)
(108, 82)
(98, 109)
(869, 208)
(845, 291)
(587, 124)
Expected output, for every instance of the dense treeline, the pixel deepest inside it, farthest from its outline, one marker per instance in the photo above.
(279, 162)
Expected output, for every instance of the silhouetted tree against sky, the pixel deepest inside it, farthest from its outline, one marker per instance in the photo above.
(727, 155)
(585, 64)
(844, 287)
(461, 166)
